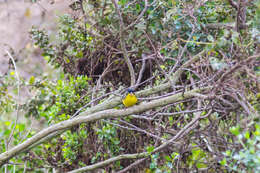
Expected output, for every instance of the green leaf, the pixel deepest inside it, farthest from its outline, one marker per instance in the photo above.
(150, 149)
(234, 130)
(169, 164)
(168, 158)
(153, 165)
(174, 155)
(223, 162)
(247, 135)
(228, 153)
(122, 2)
(170, 120)
(31, 80)
(203, 113)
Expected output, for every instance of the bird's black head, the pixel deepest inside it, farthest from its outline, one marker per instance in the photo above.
(130, 90)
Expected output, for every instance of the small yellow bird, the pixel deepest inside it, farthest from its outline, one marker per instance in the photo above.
(130, 98)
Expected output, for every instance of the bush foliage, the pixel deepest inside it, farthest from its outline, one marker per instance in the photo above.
(214, 130)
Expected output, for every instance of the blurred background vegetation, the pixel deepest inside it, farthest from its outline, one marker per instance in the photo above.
(67, 66)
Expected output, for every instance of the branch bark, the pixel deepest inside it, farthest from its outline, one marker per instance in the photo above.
(109, 161)
(110, 113)
(108, 104)
(191, 125)
(115, 101)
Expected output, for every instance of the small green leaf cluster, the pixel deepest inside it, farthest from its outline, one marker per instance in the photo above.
(6, 128)
(70, 44)
(197, 158)
(6, 99)
(154, 161)
(108, 136)
(41, 39)
(73, 37)
(73, 143)
(59, 100)
(159, 165)
(247, 158)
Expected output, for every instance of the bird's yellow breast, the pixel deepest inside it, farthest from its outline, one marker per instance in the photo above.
(130, 100)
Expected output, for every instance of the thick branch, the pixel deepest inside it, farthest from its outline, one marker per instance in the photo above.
(108, 104)
(115, 101)
(111, 103)
(182, 132)
(110, 113)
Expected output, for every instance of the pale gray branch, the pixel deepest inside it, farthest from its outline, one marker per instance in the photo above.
(109, 161)
(110, 113)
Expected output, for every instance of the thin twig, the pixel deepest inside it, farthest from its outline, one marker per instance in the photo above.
(110, 113)
(123, 46)
(139, 17)
(141, 72)
(18, 93)
(182, 51)
(182, 132)
(132, 165)
(25, 136)
(109, 161)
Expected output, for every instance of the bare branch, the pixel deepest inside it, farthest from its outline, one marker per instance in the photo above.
(220, 25)
(238, 65)
(123, 46)
(180, 54)
(110, 113)
(113, 102)
(139, 17)
(109, 161)
(182, 132)
(17, 104)
(141, 72)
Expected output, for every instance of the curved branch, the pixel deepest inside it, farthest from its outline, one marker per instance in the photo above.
(18, 93)
(110, 113)
(182, 132)
(108, 104)
(115, 101)
(109, 161)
